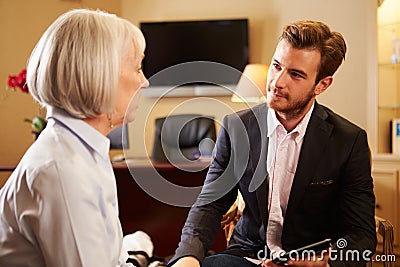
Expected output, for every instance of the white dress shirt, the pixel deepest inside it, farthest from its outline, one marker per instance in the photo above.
(283, 155)
(59, 207)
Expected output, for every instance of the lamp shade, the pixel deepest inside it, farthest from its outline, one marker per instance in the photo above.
(251, 86)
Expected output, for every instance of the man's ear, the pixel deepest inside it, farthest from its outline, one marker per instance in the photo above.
(323, 84)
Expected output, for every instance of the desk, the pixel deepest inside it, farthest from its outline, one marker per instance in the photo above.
(5, 172)
(7, 168)
(140, 211)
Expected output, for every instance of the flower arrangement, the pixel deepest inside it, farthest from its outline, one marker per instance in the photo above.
(18, 82)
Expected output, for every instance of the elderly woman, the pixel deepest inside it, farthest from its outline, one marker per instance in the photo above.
(59, 207)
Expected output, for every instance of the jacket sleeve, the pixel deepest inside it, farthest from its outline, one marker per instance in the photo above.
(218, 194)
(357, 209)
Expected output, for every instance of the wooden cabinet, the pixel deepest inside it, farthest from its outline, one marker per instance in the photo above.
(388, 71)
(161, 221)
(389, 103)
(386, 175)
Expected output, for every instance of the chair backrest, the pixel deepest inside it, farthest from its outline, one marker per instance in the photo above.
(183, 138)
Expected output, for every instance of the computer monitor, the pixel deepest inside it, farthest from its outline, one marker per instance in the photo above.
(119, 137)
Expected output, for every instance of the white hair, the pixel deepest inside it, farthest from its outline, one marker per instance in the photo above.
(76, 63)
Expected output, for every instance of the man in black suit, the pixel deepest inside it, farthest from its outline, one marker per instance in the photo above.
(304, 172)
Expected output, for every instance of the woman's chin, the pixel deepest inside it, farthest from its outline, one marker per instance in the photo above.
(130, 115)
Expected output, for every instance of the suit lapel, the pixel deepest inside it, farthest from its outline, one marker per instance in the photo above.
(315, 141)
(258, 152)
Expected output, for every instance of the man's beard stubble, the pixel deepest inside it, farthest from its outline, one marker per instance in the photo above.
(293, 110)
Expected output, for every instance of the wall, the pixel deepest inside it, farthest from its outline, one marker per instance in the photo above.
(353, 93)
(21, 25)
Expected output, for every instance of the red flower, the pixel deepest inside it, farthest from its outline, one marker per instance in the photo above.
(18, 82)
(12, 81)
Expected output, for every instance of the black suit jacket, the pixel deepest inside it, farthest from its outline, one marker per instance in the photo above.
(331, 196)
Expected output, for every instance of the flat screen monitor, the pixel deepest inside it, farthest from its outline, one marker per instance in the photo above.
(175, 42)
(119, 137)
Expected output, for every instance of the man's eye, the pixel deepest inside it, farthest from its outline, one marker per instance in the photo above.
(276, 66)
(296, 75)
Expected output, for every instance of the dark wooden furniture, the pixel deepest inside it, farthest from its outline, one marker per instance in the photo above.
(140, 211)
(7, 168)
(5, 172)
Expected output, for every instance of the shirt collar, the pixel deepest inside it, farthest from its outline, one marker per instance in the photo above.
(86, 133)
(301, 128)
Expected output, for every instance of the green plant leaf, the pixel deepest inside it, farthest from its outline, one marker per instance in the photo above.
(38, 123)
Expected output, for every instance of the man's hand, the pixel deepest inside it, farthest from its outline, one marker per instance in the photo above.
(187, 262)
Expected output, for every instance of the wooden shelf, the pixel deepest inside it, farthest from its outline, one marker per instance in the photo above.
(389, 106)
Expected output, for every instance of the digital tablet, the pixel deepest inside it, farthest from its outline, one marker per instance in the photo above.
(300, 253)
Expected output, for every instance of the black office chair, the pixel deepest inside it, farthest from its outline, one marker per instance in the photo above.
(183, 138)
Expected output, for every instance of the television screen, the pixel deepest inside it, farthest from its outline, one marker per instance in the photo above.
(171, 43)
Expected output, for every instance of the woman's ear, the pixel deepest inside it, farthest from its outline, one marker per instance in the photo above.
(323, 84)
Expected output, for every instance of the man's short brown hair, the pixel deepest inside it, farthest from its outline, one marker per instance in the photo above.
(309, 34)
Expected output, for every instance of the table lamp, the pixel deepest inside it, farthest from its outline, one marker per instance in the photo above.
(251, 86)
